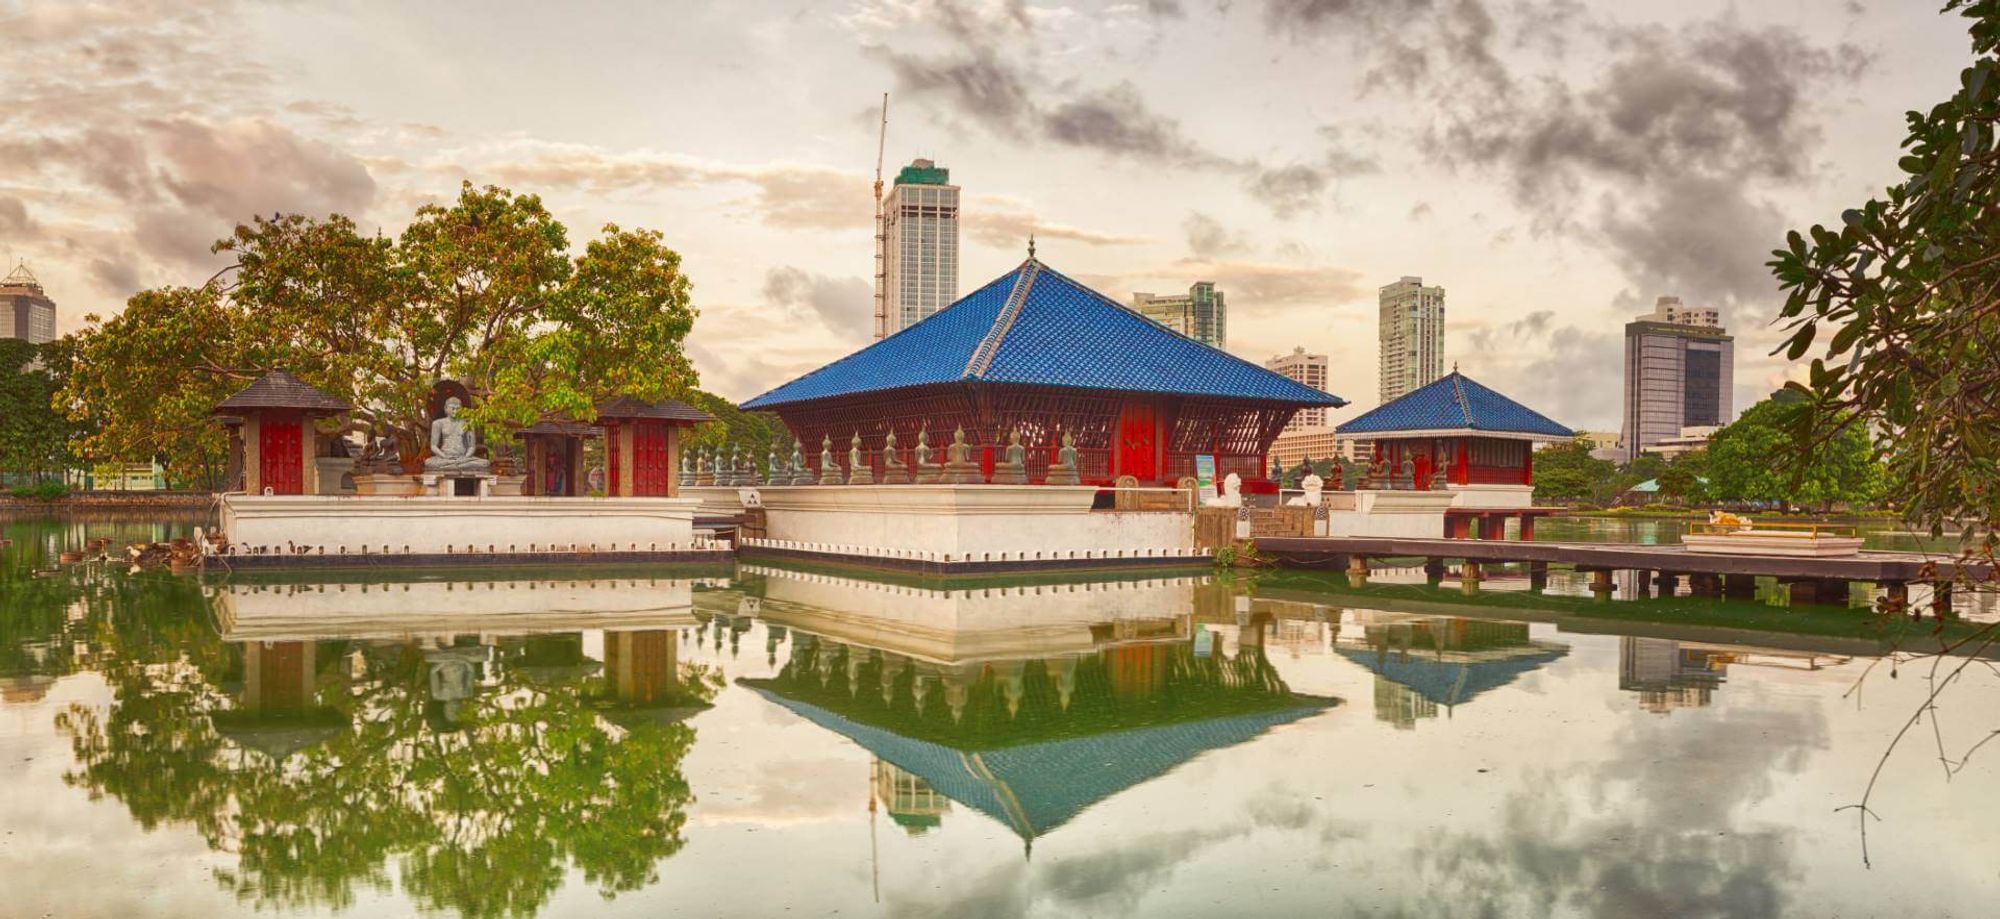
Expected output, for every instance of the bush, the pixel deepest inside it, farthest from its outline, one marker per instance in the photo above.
(1585, 507)
(45, 491)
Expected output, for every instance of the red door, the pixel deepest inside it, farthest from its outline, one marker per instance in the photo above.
(279, 457)
(649, 460)
(1138, 455)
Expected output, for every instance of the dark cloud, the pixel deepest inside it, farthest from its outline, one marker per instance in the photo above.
(14, 217)
(1116, 120)
(845, 305)
(1166, 9)
(1207, 238)
(119, 279)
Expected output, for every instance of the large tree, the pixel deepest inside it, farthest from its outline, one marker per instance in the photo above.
(1902, 305)
(1567, 471)
(34, 435)
(1748, 461)
(485, 291)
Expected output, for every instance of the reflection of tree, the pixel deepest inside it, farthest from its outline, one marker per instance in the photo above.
(483, 815)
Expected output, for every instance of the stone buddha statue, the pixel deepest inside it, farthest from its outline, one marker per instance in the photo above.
(452, 443)
(959, 467)
(859, 472)
(927, 471)
(829, 471)
(1064, 471)
(800, 474)
(894, 472)
(1014, 469)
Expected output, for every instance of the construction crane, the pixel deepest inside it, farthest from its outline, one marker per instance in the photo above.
(881, 231)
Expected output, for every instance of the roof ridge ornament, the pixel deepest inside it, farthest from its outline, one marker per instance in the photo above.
(982, 356)
(1031, 245)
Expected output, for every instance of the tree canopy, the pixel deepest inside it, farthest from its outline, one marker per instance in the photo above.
(1901, 304)
(1748, 461)
(34, 436)
(1567, 471)
(484, 291)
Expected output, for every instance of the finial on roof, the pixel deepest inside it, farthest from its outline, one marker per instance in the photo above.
(1454, 366)
(1031, 244)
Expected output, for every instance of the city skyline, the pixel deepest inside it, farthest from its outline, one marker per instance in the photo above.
(1129, 171)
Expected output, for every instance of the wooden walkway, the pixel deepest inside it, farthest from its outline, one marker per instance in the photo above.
(1880, 567)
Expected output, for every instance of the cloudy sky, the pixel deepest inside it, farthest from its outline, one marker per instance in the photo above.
(1554, 164)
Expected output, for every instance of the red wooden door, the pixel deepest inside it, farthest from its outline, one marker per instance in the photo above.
(280, 465)
(1138, 454)
(649, 460)
(612, 480)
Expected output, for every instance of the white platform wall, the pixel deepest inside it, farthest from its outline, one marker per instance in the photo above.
(968, 522)
(433, 525)
(1417, 514)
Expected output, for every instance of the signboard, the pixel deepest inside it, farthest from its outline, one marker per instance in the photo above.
(1204, 476)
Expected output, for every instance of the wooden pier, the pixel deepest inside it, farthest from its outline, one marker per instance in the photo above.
(1813, 580)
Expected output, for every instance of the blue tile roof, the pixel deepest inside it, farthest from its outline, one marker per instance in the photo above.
(1451, 682)
(1454, 402)
(1037, 326)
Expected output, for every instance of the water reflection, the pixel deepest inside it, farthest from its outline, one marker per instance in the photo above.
(1026, 704)
(457, 745)
(1426, 663)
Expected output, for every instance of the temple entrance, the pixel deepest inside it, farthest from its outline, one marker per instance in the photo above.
(1136, 451)
(280, 457)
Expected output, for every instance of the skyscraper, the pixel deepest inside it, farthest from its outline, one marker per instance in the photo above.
(1199, 314)
(25, 310)
(920, 240)
(1412, 335)
(1308, 370)
(1679, 370)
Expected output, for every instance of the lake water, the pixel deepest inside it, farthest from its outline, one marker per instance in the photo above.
(755, 741)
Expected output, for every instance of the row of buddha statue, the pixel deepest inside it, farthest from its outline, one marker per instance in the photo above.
(961, 465)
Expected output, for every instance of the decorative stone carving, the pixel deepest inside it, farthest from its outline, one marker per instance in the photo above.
(774, 470)
(859, 470)
(1014, 469)
(749, 478)
(829, 471)
(1312, 484)
(959, 466)
(928, 472)
(1232, 492)
(687, 469)
(894, 472)
(1408, 472)
(1064, 471)
(452, 443)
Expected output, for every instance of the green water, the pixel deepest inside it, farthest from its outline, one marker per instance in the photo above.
(755, 741)
(1876, 533)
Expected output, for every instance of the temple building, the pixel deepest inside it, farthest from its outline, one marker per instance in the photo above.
(1038, 354)
(1458, 436)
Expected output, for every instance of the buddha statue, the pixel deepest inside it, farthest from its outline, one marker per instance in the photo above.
(774, 470)
(829, 471)
(1064, 471)
(894, 472)
(859, 471)
(927, 471)
(1013, 470)
(801, 474)
(959, 466)
(452, 443)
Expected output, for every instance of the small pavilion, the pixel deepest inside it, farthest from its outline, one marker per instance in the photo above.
(642, 445)
(275, 433)
(1459, 435)
(1036, 353)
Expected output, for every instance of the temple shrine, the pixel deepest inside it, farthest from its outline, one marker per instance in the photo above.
(1459, 437)
(1036, 354)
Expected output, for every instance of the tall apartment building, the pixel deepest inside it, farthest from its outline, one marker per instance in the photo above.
(1680, 368)
(920, 246)
(1199, 314)
(25, 310)
(1306, 370)
(1411, 330)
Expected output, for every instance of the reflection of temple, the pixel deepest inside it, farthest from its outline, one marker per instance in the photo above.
(1671, 674)
(1422, 663)
(1028, 704)
(306, 643)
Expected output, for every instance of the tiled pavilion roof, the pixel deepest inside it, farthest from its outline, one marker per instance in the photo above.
(280, 390)
(1037, 326)
(626, 407)
(1455, 403)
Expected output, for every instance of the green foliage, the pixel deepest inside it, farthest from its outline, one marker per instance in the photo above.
(1645, 466)
(34, 435)
(757, 431)
(1567, 472)
(1681, 480)
(1748, 461)
(1901, 303)
(483, 291)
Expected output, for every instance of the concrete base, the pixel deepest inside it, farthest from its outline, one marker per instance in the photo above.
(1774, 543)
(308, 609)
(1412, 514)
(967, 523)
(1496, 497)
(717, 500)
(297, 525)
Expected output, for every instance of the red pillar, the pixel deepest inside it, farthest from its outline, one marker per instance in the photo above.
(1527, 528)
